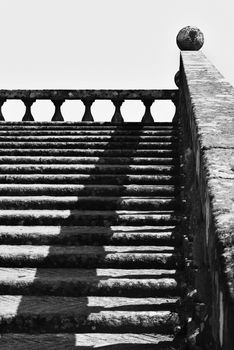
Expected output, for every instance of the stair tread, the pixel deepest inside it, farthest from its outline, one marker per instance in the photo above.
(88, 138)
(91, 274)
(86, 341)
(85, 160)
(88, 202)
(69, 314)
(78, 282)
(45, 250)
(12, 305)
(56, 229)
(89, 256)
(92, 144)
(72, 131)
(77, 198)
(77, 235)
(91, 169)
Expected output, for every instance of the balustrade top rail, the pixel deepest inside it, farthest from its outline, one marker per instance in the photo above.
(88, 94)
(87, 97)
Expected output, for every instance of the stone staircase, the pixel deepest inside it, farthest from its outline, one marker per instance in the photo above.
(91, 227)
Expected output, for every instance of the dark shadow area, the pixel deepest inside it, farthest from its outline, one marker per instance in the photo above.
(88, 251)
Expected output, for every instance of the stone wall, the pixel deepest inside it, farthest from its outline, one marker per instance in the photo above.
(206, 118)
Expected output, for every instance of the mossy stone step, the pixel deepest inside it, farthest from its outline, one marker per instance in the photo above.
(76, 152)
(88, 203)
(88, 169)
(88, 217)
(88, 341)
(86, 160)
(87, 190)
(77, 282)
(121, 179)
(92, 144)
(86, 314)
(91, 235)
(90, 256)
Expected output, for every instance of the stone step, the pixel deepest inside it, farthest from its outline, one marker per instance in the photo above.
(136, 257)
(85, 125)
(92, 145)
(87, 190)
(90, 138)
(86, 160)
(89, 203)
(75, 152)
(92, 282)
(94, 235)
(80, 132)
(85, 314)
(88, 217)
(87, 169)
(124, 179)
(88, 341)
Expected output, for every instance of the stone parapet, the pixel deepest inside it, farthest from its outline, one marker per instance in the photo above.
(206, 113)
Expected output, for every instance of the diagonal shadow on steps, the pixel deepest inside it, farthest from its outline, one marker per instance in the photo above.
(104, 236)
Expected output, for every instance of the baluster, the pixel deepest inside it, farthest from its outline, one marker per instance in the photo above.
(87, 117)
(28, 104)
(2, 101)
(117, 117)
(57, 117)
(147, 117)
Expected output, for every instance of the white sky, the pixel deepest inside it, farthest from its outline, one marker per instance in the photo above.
(107, 43)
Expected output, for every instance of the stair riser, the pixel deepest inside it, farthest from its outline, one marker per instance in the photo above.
(87, 203)
(87, 160)
(112, 322)
(90, 179)
(88, 238)
(117, 287)
(114, 260)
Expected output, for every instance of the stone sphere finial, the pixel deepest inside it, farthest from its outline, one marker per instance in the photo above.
(190, 39)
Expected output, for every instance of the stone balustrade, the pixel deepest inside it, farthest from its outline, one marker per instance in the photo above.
(58, 97)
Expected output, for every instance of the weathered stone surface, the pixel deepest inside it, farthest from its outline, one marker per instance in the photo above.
(88, 256)
(121, 179)
(87, 341)
(85, 160)
(89, 203)
(207, 110)
(77, 282)
(86, 169)
(75, 217)
(85, 235)
(96, 277)
(66, 131)
(84, 314)
(90, 94)
(92, 144)
(87, 190)
(190, 39)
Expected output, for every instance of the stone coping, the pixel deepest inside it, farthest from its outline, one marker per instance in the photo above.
(89, 94)
(212, 104)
